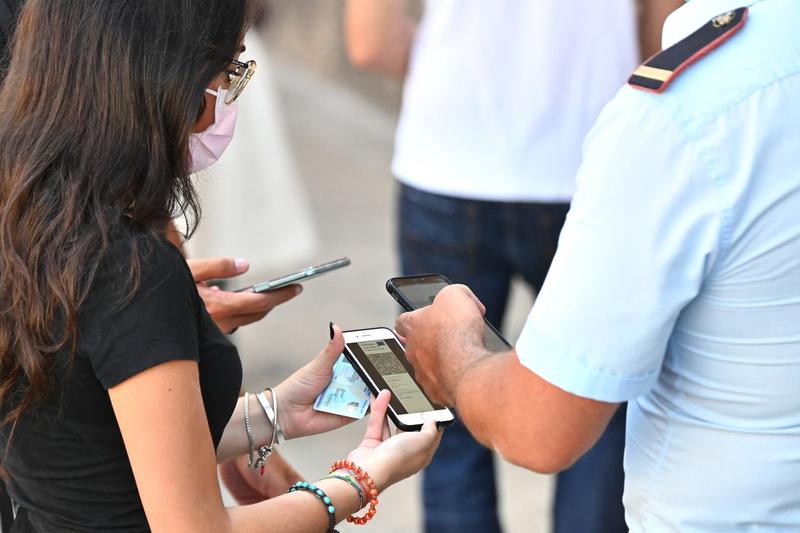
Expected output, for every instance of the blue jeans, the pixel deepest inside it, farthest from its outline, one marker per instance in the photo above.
(483, 244)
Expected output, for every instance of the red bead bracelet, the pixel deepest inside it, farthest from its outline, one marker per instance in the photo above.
(369, 489)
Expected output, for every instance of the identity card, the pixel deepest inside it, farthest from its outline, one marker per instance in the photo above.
(346, 394)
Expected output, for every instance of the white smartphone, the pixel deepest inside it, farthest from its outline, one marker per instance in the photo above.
(380, 360)
(296, 277)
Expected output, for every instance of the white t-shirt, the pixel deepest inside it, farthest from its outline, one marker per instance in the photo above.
(501, 93)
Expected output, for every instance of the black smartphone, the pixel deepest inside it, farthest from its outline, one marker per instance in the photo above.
(414, 292)
(296, 277)
(380, 360)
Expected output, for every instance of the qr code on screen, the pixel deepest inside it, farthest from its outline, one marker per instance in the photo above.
(387, 364)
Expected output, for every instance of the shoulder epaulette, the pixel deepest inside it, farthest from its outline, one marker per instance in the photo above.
(657, 73)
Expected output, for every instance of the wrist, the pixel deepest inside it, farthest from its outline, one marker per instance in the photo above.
(285, 418)
(379, 472)
(461, 377)
(370, 491)
(256, 425)
(344, 497)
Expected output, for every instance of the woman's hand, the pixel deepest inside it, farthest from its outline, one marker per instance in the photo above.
(297, 394)
(389, 459)
(228, 309)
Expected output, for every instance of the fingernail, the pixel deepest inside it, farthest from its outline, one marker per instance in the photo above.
(241, 264)
(330, 329)
(298, 289)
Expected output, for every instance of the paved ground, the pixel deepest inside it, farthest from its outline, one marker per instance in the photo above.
(341, 146)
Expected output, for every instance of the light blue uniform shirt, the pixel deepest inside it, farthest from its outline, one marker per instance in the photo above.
(676, 285)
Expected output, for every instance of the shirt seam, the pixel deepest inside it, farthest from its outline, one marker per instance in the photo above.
(719, 179)
(704, 154)
(715, 177)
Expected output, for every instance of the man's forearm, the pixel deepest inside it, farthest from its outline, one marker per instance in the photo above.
(379, 35)
(527, 420)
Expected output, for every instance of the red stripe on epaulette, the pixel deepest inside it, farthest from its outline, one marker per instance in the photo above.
(637, 80)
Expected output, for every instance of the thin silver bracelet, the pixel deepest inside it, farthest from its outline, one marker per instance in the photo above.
(248, 429)
(262, 399)
(277, 431)
(266, 450)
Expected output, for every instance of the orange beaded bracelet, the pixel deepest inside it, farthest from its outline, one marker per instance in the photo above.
(369, 489)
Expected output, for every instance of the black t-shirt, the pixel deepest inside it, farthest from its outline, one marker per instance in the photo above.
(67, 461)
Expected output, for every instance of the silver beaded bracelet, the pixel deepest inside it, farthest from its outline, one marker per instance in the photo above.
(265, 450)
(248, 429)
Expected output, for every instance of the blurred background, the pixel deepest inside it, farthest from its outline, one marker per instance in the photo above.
(306, 180)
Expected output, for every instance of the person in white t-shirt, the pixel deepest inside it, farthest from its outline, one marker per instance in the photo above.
(498, 98)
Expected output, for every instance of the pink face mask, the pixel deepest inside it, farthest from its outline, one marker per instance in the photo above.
(207, 146)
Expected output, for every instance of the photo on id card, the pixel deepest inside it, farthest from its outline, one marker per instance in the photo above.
(346, 394)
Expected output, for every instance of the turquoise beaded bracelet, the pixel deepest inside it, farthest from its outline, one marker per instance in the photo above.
(305, 486)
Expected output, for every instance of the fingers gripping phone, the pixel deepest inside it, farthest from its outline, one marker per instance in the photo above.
(415, 292)
(297, 277)
(380, 360)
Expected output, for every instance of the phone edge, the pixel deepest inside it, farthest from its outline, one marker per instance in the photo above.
(366, 379)
(304, 275)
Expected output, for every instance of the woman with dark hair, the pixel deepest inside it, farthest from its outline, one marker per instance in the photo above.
(118, 393)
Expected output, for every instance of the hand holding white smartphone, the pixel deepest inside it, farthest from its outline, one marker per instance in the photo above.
(379, 358)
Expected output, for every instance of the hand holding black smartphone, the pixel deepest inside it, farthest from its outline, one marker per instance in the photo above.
(414, 292)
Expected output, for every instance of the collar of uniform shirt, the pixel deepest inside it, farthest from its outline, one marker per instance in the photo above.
(693, 14)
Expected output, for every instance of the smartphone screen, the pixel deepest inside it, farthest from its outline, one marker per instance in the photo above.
(420, 291)
(385, 363)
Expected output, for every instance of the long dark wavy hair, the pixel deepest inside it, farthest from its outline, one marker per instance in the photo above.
(96, 110)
